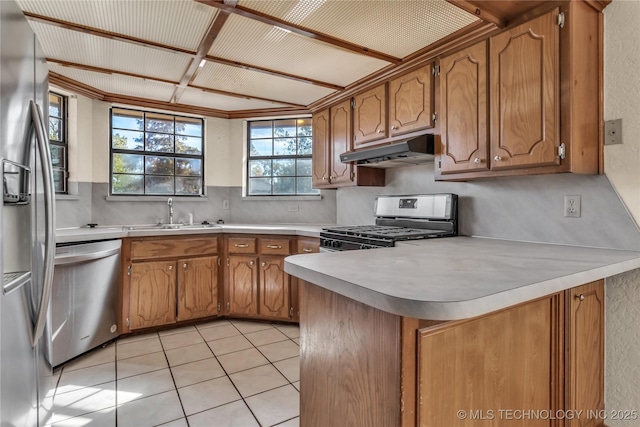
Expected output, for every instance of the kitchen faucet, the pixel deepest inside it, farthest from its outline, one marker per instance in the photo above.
(170, 203)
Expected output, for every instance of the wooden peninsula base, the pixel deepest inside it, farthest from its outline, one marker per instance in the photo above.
(535, 364)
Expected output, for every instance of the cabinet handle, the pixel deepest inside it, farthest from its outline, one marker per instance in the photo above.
(580, 297)
(264, 264)
(331, 177)
(497, 158)
(184, 265)
(307, 250)
(228, 306)
(324, 178)
(380, 131)
(394, 127)
(477, 160)
(171, 267)
(241, 245)
(251, 263)
(274, 246)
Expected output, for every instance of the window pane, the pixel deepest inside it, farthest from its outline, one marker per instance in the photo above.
(261, 147)
(159, 123)
(188, 145)
(305, 186)
(284, 167)
(304, 127)
(127, 163)
(284, 128)
(158, 165)
(260, 168)
(159, 142)
(127, 184)
(284, 185)
(260, 130)
(259, 186)
(127, 119)
(55, 129)
(191, 186)
(191, 167)
(304, 167)
(284, 147)
(304, 146)
(188, 126)
(158, 185)
(127, 140)
(59, 181)
(57, 156)
(55, 105)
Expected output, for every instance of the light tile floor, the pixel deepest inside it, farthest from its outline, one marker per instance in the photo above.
(225, 373)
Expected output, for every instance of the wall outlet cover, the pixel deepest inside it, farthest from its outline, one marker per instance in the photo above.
(613, 132)
(572, 206)
(225, 204)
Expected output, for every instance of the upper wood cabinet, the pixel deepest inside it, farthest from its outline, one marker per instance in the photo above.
(320, 160)
(369, 117)
(464, 118)
(340, 173)
(525, 92)
(411, 101)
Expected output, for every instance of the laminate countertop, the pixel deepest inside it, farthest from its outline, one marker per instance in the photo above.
(459, 277)
(85, 234)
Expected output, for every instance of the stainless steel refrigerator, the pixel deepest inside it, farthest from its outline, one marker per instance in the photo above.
(28, 225)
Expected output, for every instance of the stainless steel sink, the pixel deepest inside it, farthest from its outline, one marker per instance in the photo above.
(151, 227)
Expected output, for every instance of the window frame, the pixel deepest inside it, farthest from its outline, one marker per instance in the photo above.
(272, 157)
(64, 143)
(145, 153)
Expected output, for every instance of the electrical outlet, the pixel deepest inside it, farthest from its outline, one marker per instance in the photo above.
(572, 206)
(293, 208)
(225, 204)
(613, 132)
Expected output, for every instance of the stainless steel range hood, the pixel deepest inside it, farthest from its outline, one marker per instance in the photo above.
(414, 151)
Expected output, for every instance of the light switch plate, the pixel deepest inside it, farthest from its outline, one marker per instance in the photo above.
(613, 132)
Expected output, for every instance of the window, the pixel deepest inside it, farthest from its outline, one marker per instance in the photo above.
(156, 154)
(279, 157)
(58, 140)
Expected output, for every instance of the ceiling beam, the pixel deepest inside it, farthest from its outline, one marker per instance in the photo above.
(485, 15)
(271, 20)
(105, 34)
(239, 95)
(107, 71)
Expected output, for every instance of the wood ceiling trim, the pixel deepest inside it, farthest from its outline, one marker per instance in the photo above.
(268, 112)
(474, 9)
(246, 66)
(108, 71)
(106, 34)
(75, 86)
(271, 20)
(163, 105)
(239, 95)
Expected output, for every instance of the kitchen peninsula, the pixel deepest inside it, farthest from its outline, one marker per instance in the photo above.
(414, 334)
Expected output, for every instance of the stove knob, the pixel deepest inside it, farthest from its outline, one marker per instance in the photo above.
(337, 244)
(363, 247)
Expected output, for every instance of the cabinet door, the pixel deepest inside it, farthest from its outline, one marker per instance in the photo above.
(524, 95)
(370, 117)
(341, 173)
(463, 110)
(585, 364)
(411, 101)
(243, 285)
(274, 288)
(152, 295)
(320, 162)
(197, 287)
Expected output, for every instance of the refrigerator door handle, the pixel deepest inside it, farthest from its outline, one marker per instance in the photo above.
(49, 200)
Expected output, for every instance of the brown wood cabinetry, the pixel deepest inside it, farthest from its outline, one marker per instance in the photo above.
(321, 159)
(340, 141)
(411, 101)
(152, 294)
(389, 370)
(305, 245)
(369, 117)
(242, 296)
(274, 288)
(168, 280)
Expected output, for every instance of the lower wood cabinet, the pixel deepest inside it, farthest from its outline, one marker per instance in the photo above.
(197, 287)
(242, 273)
(274, 288)
(152, 294)
(389, 370)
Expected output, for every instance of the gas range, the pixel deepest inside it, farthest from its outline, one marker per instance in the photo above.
(398, 218)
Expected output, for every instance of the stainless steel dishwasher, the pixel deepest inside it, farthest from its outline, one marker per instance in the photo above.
(84, 303)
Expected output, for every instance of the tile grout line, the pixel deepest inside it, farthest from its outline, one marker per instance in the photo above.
(175, 386)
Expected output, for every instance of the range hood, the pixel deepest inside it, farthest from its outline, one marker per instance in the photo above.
(413, 151)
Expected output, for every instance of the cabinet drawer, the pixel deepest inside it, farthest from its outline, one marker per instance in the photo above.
(275, 246)
(308, 246)
(241, 245)
(164, 248)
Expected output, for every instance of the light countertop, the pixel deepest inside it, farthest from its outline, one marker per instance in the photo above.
(81, 234)
(459, 277)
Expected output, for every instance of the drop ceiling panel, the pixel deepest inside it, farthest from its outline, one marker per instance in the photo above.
(72, 46)
(249, 41)
(118, 84)
(201, 98)
(247, 82)
(397, 28)
(179, 23)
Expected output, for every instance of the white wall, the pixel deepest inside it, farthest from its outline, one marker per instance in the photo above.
(622, 167)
